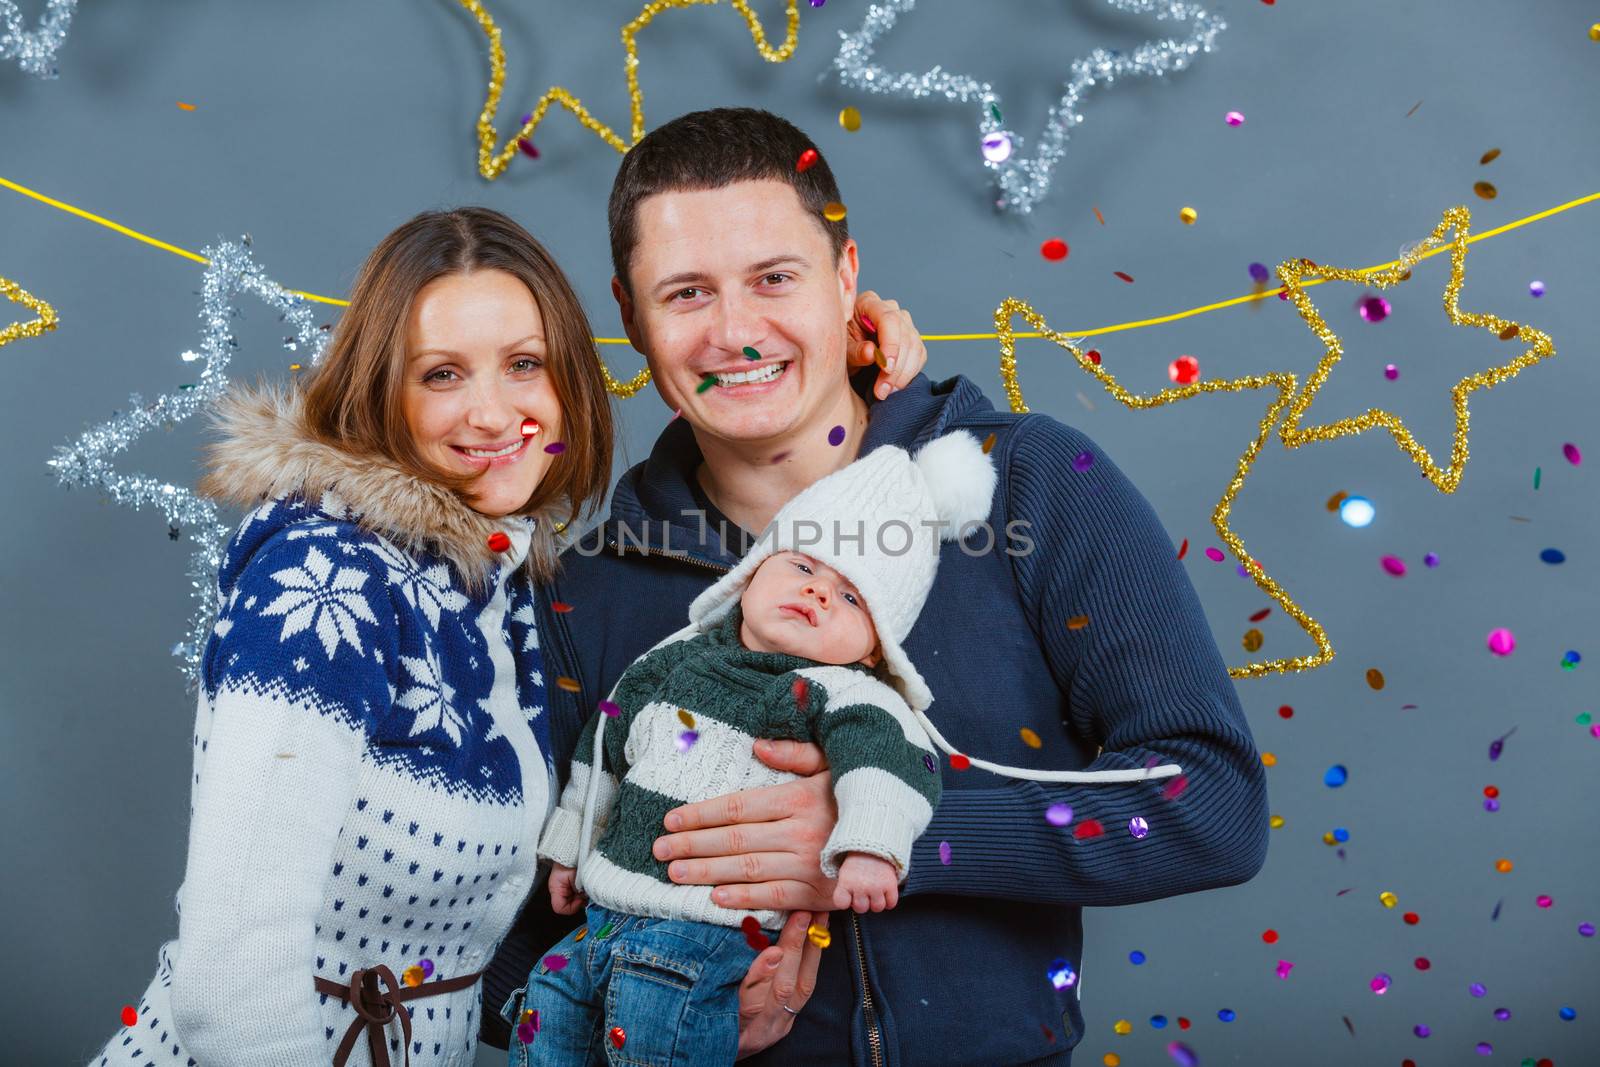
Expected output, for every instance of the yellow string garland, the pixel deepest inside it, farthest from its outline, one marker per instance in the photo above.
(1296, 275)
(492, 162)
(18, 331)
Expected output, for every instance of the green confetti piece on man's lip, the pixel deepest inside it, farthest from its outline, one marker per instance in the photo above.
(750, 353)
(706, 383)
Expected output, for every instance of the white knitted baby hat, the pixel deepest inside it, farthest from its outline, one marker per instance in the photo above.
(888, 497)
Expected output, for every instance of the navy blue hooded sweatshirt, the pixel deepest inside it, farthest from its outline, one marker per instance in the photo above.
(959, 972)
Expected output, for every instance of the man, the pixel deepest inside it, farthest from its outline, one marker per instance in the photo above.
(738, 290)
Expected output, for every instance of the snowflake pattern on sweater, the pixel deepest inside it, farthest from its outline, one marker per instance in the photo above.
(371, 771)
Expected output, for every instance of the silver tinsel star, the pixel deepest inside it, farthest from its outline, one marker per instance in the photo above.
(87, 462)
(1023, 182)
(35, 52)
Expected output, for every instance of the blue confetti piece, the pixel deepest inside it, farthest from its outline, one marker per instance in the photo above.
(1337, 775)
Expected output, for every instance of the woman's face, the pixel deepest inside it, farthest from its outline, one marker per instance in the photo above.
(475, 370)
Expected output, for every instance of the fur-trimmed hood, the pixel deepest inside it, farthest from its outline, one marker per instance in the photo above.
(266, 451)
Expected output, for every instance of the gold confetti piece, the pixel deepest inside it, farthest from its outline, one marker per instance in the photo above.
(685, 718)
(1188, 215)
(569, 684)
(1336, 499)
(850, 119)
(1122, 1026)
(1486, 190)
(1101, 219)
(819, 936)
(1252, 640)
(1510, 331)
(295, 368)
(1268, 759)
(1276, 822)
(1293, 399)
(1077, 622)
(1388, 899)
(1490, 156)
(833, 211)
(988, 443)
(1375, 678)
(186, 107)
(1030, 738)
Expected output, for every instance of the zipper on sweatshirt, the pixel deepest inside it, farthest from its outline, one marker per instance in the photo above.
(682, 557)
(874, 1037)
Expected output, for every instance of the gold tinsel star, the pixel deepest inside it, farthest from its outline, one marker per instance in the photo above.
(1294, 274)
(18, 330)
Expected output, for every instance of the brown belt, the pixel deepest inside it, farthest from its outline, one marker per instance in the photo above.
(375, 1008)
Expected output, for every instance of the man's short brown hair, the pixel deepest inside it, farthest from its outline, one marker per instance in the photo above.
(711, 150)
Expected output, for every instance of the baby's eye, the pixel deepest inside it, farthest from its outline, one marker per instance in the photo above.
(802, 566)
(850, 598)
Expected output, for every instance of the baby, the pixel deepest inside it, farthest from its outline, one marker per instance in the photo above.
(790, 644)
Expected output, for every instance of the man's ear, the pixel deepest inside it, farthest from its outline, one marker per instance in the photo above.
(625, 309)
(849, 272)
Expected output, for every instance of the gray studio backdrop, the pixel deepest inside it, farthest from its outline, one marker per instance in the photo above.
(318, 127)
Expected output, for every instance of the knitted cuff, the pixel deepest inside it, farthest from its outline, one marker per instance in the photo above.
(559, 842)
(877, 831)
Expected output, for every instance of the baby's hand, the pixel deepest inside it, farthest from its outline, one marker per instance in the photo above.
(866, 882)
(564, 897)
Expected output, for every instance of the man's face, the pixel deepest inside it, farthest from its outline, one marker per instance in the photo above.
(719, 271)
(802, 606)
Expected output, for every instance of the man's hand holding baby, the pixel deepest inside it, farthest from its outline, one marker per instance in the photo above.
(564, 895)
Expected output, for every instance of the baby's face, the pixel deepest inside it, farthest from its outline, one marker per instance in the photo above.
(796, 605)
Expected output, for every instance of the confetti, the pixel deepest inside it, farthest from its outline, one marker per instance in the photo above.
(1175, 788)
(959, 762)
(610, 710)
(412, 976)
(560, 607)
(1061, 974)
(1182, 1054)
(1083, 461)
(1101, 219)
(819, 936)
(1058, 814)
(833, 211)
(1286, 712)
(1411, 918)
(1136, 958)
(836, 436)
(619, 1036)
(753, 934)
(1227, 1015)
(1391, 372)
(1185, 370)
(1485, 190)
(850, 119)
(130, 1015)
(1421, 1030)
(1270, 936)
(186, 107)
(568, 684)
(1380, 984)
(802, 693)
(499, 541)
(1421, 963)
(685, 741)
(555, 962)
(1388, 899)
(944, 853)
(996, 147)
(1336, 776)
(1357, 511)
(1586, 929)
(1536, 473)
(1122, 1026)
(1490, 156)
(1373, 308)
(706, 383)
(1503, 866)
(1570, 451)
(751, 353)
(1054, 249)
(1188, 215)
(1413, 110)
(1263, 613)
(1030, 738)
(1124, 276)
(1284, 967)
(807, 160)
(1183, 549)
(1234, 118)
(1375, 678)
(555, 448)
(1501, 642)
(1252, 640)
(1275, 821)
(1088, 828)
(1394, 565)
(1139, 827)
(1477, 989)
(1536, 288)
(988, 443)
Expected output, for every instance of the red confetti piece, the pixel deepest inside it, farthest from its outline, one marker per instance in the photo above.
(1422, 963)
(1185, 370)
(753, 934)
(1049, 1034)
(618, 1036)
(1124, 276)
(807, 160)
(528, 148)
(1101, 219)
(1176, 787)
(959, 762)
(1412, 918)
(1088, 828)
(1054, 249)
(130, 1015)
(1183, 549)
(802, 693)
(1183, 1024)
(1263, 613)
(499, 541)
(1094, 356)
(1286, 712)
(1270, 936)
(560, 606)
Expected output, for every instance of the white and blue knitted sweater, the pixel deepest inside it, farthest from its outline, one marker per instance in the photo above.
(371, 768)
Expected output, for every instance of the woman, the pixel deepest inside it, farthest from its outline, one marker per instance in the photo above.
(371, 764)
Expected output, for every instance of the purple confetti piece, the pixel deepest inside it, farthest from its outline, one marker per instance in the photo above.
(555, 448)
(555, 961)
(836, 436)
(1182, 1054)
(1574, 456)
(611, 710)
(944, 853)
(1083, 461)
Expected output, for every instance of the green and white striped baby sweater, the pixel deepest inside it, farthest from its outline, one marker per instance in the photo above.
(885, 774)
